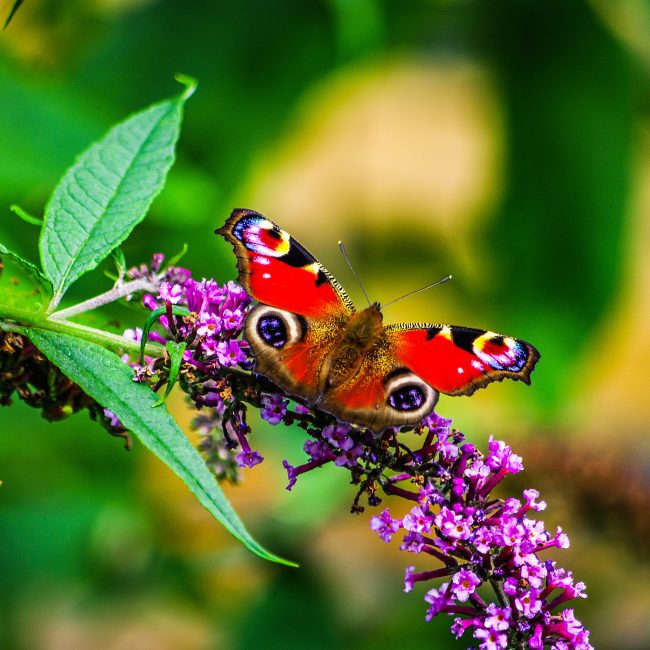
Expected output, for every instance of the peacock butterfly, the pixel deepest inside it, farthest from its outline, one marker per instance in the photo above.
(307, 337)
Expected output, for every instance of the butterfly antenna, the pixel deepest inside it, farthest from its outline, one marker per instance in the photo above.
(347, 259)
(411, 293)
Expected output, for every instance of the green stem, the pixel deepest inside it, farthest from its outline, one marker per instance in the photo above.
(16, 319)
(498, 590)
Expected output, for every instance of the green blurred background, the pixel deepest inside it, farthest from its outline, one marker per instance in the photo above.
(504, 141)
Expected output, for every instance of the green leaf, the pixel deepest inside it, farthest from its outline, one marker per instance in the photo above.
(107, 192)
(31, 269)
(102, 375)
(12, 12)
(152, 318)
(175, 351)
(120, 262)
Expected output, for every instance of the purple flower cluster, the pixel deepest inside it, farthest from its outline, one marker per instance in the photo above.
(482, 540)
(214, 352)
(483, 545)
(219, 317)
(218, 311)
(338, 443)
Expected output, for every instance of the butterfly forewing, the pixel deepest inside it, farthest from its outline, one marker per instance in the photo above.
(276, 270)
(458, 360)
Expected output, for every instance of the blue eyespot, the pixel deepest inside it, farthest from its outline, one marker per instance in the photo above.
(407, 398)
(272, 330)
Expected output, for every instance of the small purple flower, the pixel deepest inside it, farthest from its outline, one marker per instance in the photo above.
(436, 423)
(291, 474)
(408, 577)
(535, 532)
(572, 625)
(453, 524)
(350, 452)
(460, 626)
(464, 584)
(511, 532)
(209, 325)
(510, 585)
(478, 470)
(133, 334)
(178, 275)
(385, 525)
(318, 450)
(156, 262)
(448, 450)
(294, 472)
(531, 497)
(498, 618)
(150, 302)
(561, 539)
(195, 296)
(114, 421)
(230, 353)
(429, 494)
(171, 293)
(249, 458)
(412, 542)
(483, 540)
(232, 319)
(491, 639)
(274, 408)
(510, 508)
(336, 433)
(533, 571)
(528, 603)
(416, 521)
(501, 457)
(236, 295)
(438, 599)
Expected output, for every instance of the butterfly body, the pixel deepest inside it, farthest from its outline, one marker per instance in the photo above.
(307, 337)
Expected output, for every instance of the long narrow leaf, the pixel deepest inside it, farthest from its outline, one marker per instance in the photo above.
(151, 319)
(103, 376)
(12, 12)
(175, 351)
(107, 192)
(32, 269)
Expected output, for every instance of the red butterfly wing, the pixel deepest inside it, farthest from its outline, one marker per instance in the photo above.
(374, 398)
(276, 270)
(458, 360)
(291, 349)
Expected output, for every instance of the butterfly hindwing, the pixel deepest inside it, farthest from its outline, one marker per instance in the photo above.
(458, 360)
(378, 399)
(276, 270)
(291, 349)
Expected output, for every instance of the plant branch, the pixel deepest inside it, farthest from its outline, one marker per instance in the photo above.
(13, 319)
(500, 593)
(117, 292)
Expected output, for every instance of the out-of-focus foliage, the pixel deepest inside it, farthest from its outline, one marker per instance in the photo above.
(506, 142)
